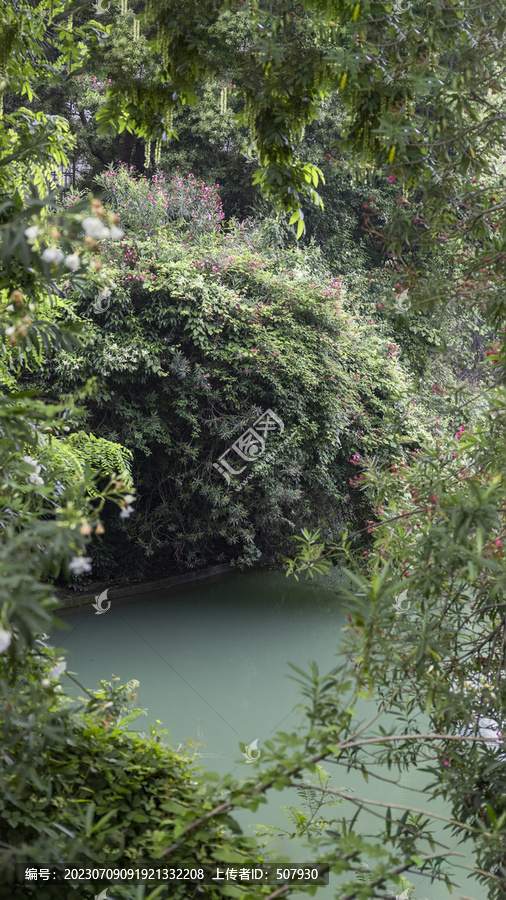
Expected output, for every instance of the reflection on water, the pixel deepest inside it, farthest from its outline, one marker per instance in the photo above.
(212, 662)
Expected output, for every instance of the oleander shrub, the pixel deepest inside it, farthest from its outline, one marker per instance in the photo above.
(145, 205)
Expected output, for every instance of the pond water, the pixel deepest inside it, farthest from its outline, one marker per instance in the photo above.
(212, 662)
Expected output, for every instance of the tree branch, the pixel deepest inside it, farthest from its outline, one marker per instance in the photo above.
(364, 801)
(345, 745)
(91, 143)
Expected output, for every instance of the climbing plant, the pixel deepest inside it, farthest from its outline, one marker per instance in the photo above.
(206, 329)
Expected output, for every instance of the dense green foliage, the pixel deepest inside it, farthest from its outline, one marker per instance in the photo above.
(451, 647)
(199, 338)
(109, 796)
(153, 346)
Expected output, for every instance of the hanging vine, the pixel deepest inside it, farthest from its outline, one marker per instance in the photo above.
(223, 100)
(158, 151)
(163, 41)
(147, 157)
(168, 117)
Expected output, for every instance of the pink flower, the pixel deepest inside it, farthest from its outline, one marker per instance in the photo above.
(391, 179)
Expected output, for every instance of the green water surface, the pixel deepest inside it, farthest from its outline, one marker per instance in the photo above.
(212, 662)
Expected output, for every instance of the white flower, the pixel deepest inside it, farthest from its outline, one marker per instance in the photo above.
(10, 307)
(126, 512)
(5, 639)
(73, 261)
(78, 565)
(36, 479)
(53, 255)
(129, 498)
(95, 228)
(31, 233)
(30, 460)
(116, 233)
(10, 330)
(57, 670)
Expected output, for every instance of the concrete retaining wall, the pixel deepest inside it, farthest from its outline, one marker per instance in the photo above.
(132, 591)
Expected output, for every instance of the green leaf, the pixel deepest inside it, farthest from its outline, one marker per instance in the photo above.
(491, 814)
(88, 821)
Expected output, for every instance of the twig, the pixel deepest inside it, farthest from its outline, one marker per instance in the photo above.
(81, 686)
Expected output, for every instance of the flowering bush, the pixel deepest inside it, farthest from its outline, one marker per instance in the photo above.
(146, 205)
(198, 341)
(92, 82)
